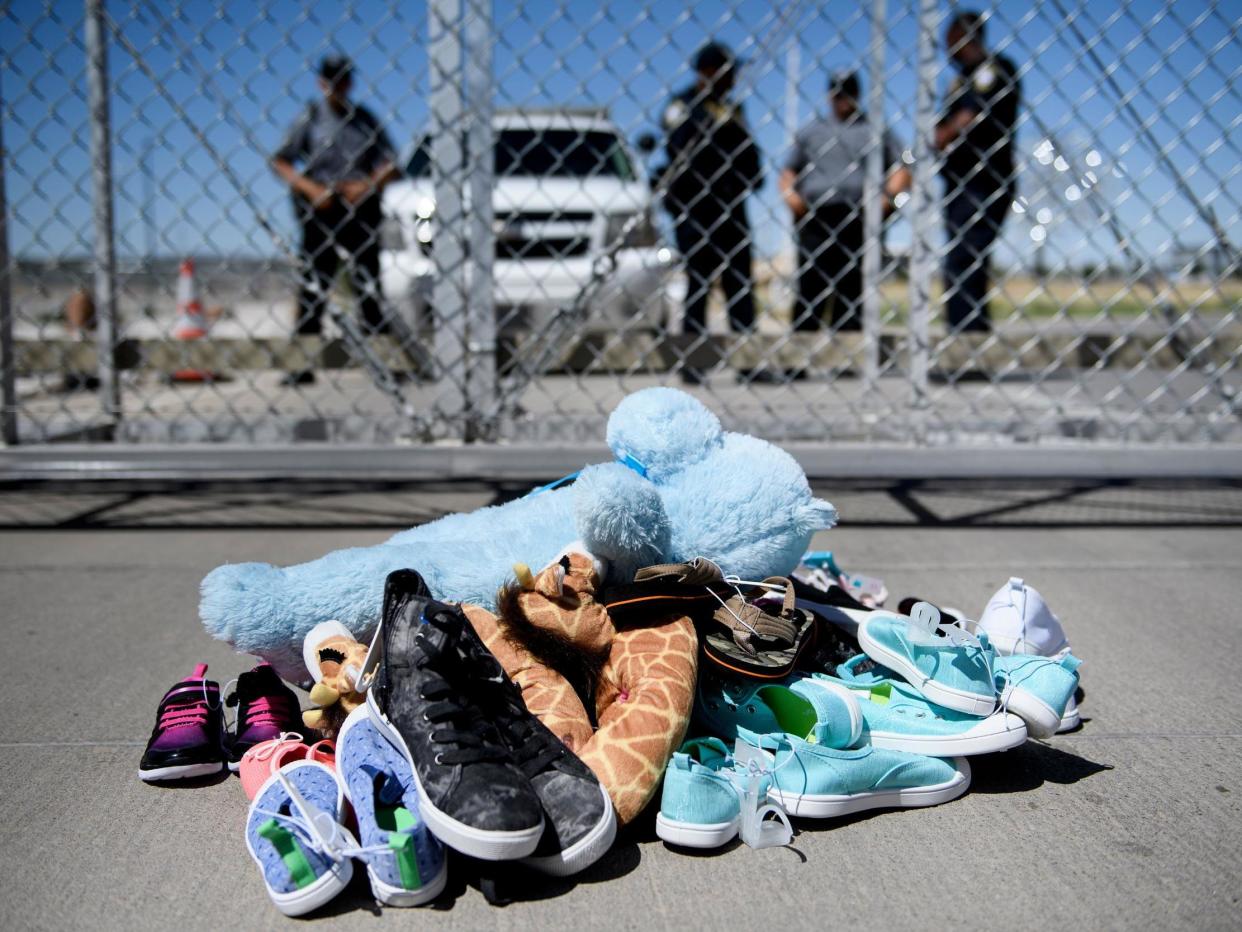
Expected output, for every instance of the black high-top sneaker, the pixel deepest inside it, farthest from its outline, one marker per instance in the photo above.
(266, 709)
(426, 701)
(579, 822)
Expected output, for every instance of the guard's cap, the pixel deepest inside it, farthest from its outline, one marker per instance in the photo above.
(713, 56)
(335, 68)
(844, 84)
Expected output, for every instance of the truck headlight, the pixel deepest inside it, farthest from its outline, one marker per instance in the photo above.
(630, 231)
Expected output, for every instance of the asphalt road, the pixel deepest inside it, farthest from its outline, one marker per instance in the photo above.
(1135, 821)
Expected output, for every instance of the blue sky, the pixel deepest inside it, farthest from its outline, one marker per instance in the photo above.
(240, 71)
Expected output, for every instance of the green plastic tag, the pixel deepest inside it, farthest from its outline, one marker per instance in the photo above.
(300, 871)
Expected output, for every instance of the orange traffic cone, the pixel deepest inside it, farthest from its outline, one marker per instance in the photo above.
(191, 324)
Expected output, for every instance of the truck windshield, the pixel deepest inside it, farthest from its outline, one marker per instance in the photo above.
(541, 153)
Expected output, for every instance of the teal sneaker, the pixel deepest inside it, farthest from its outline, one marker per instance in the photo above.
(700, 806)
(722, 707)
(818, 782)
(1039, 690)
(897, 718)
(945, 663)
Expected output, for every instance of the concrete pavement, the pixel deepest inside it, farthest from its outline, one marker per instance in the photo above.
(1135, 821)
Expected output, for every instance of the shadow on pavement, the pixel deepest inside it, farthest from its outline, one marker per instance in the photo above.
(1028, 767)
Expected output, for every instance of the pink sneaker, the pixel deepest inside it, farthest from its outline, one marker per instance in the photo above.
(267, 757)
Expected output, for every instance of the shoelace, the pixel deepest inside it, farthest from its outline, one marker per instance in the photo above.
(467, 733)
(309, 829)
(533, 748)
(529, 746)
(271, 710)
(192, 710)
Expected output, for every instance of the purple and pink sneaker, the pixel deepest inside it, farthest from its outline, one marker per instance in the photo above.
(266, 709)
(188, 740)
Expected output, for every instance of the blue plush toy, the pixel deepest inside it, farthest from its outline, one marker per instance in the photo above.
(681, 487)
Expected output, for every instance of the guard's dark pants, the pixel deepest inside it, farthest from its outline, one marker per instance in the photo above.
(830, 244)
(972, 221)
(716, 246)
(356, 231)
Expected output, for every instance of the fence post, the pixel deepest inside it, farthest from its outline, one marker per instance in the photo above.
(101, 197)
(922, 266)
(873, 184)
(480, 314)
(8, 359)
(448, 172)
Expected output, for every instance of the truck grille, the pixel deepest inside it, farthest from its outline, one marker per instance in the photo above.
(518, 235)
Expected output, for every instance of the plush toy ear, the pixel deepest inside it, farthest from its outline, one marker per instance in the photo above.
(313, 718)
(817, 515)
(658, 432)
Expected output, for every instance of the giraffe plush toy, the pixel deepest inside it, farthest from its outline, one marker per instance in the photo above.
(638, 682)
(680, 486)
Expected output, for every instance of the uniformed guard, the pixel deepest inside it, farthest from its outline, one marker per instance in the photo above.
(347, 159)
(976, 134)
(713, 165)
(822, 185)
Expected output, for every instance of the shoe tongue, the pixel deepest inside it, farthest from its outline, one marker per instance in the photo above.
(833, 725)
(199, 673)
(261, 681)
(705, 750)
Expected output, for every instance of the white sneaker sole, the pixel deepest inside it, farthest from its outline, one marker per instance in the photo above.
(958, 700)
(385, 892)
(401, 897)
(1042, 720)
(997, 732)
(585, 851)
(181, 772)
(696, 835)
(1071, 719)
(476, 842)
(814, 806)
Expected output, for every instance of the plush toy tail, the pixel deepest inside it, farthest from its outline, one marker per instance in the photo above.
(817, 515)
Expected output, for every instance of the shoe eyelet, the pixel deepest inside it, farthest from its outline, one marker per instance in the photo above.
(750, 709)
(713, 705)
(438, 760)
(426, 719)
(920, 715)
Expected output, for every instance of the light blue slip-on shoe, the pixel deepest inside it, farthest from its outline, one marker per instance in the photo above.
(699, 806)
(831, 719)
(897, 718)
(819, 782)
(405, 862)
(1037, 689)
(301, 873)
(945, 663)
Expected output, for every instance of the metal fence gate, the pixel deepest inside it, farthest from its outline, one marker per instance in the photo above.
(589, 198)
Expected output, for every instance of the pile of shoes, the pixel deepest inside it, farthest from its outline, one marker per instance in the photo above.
(809, 701)
(890, 726)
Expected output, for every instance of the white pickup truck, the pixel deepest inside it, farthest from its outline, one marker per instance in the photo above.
(566, 186)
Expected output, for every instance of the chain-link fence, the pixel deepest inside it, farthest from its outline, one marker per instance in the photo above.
(899, 223)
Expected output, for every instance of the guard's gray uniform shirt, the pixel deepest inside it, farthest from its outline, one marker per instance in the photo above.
(336, 147)
(830, 158)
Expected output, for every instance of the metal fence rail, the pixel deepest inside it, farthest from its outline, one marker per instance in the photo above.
(1015, 229)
